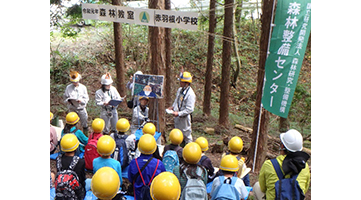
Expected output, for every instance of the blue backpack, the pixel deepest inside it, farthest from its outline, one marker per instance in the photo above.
(170, 160)
(226, 191)
(121, 152)
(286, 188)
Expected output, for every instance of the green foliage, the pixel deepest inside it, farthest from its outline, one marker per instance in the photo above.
(93, 49)
(68, 31)
(74, 12)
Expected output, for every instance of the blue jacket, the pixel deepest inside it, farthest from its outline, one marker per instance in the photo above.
(108, 162)
(83, 140)
(147, 173)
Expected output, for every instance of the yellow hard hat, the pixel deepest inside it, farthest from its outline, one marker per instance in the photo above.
(235, 144)
(165, 186)
(123, 125)
(149, 128)
(192, 153)
(186, 77)
(69, 143)
(176, 136)
(143, 97)
(72, 118)
(106, 145)
(105, 183)
(98, 125)
(74, 76)
(229, 163)
(147, 144)
(203, 143)
(51, 116)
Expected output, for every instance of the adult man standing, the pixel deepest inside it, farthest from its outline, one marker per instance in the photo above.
(102, 98)
(76, 97)
(183, 107)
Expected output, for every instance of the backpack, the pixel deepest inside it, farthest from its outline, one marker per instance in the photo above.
(91, 151)
(67, 181)
(226, 191)
(195, 189)
(286, 188)
(145, 189)
(121, 152)
(170, 160)
(203, 158)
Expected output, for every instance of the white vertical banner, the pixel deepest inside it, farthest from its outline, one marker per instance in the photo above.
(90, 11)
(176, 19)
(125, 15)
(107, 13)
(144, 16)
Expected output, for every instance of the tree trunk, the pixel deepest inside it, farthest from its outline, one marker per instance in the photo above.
(226, 64)
(157, 64)
(238, 13)
(208, 78)
(168, 61)
(262, 140)
(284, 125)
(119, 56)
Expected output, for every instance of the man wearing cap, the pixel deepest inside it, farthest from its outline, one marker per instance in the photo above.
(292, 161)
(140, 113)
(76, 98)
(183, 107)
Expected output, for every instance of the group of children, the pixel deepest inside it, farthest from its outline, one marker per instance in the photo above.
(185, 171)
(177, 172)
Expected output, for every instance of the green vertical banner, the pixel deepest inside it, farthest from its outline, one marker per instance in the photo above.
(288, 43)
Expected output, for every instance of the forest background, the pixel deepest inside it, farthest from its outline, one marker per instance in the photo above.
(329, 110)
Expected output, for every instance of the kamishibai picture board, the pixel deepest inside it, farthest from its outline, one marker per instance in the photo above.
(148, 85)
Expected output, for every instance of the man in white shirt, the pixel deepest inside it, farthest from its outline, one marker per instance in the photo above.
(140, 113)
(108, 112)
(183, 107)
(76, 98)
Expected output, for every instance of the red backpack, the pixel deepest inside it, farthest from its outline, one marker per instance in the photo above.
(91, 151)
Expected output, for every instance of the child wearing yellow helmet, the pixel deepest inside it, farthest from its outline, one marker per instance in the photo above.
(150, 129)
(91, 148)
(71, 127)
(143, 169)
(229, 167)
(205, 161)
(69, 161)
(123, 143)
(53, 136)
(190, 168)
(105, 183)
(235, 147)
(176, 138)
(165, 187)
(106, 146)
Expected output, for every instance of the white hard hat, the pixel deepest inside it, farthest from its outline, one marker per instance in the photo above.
(292, 140)
(138, 72)
(106, 79)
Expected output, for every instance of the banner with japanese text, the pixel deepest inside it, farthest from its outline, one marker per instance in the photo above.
(90, 11)
(140, 16)
(287, 49)
(176, 19)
